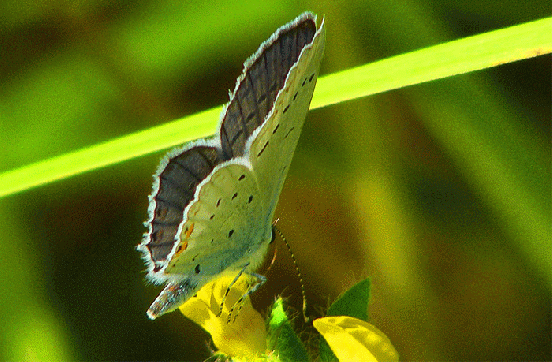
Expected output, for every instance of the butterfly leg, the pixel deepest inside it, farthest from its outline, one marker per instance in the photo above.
(230, 287)
(261, 279)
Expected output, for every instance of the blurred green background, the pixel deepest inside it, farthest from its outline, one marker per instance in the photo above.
(378, 187)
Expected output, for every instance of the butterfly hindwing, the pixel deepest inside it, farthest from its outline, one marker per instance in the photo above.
(177, 178)
(221, 229)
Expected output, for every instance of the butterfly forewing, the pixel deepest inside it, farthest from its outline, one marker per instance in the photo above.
(256, 90)
(273, 144)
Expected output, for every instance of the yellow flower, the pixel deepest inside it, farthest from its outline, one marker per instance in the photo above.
(245, 336)
(352, 339)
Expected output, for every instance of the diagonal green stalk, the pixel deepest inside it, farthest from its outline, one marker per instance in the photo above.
(444, 60)
(440, 61)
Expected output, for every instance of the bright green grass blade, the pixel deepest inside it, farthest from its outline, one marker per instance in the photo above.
(440, 61)
(461, 56)
(120, 149)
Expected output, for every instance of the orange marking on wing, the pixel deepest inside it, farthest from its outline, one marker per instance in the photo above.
(189, 231)
(184, 243)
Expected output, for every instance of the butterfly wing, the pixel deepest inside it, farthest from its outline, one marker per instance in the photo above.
(220, 232)
(264, 76)
(176, 181)
(272, 145)
(221, 229)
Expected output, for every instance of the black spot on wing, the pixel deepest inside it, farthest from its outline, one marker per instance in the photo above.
(290, 130)
(262, 150)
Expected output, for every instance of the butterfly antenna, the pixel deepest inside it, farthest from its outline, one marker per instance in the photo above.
(298, 272)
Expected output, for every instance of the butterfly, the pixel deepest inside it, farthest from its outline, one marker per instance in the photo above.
(213, 200)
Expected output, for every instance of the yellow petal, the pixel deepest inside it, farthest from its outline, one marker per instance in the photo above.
(245, 336)
(352, 339)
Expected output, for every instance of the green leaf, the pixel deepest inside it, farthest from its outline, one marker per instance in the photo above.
(282, 338)
(352, 303)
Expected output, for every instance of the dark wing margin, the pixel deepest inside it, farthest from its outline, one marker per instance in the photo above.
(175, 188)
(264, 76)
